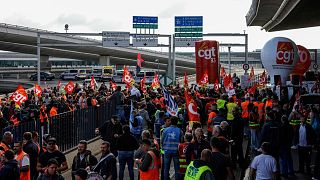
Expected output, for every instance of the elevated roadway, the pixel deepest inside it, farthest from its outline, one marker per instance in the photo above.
(24, 40)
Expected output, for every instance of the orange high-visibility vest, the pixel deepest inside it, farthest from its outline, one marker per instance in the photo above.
(269, 103)
(53, 111)
(244, 106)
(4, 147)
(210, 120)
(23, 175)
(153, 170)
(261, 110)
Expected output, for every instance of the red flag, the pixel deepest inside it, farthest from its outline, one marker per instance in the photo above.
(192, 108)
(127, 77)
(253, 89)
(139, 60)
(19, 96)
(143, 85)
(185, 80)
(69, 87)
(204, 80)
(92, 83)
(59, 85)
(155, 82)
(263, 78)
(37, 90)
(251, 75)
(113, 85)
(223, 73)
(216, 86)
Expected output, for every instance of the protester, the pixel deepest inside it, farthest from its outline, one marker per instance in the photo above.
(106, 166)
(32, 150)
(10, 170)
(200, 169)
(51, 171)
(126, 152)
(84, 159)
(150, 163)
(23, 161)
(264, 166)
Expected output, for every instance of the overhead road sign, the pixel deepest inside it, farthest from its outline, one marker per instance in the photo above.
(177, 35)
(145, 40)
(186, 42)
(145, 19)
(146, 26)
(189, 29)
(188, 21)
(115, 39)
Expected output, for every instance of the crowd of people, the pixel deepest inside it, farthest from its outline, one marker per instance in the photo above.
(143, 134)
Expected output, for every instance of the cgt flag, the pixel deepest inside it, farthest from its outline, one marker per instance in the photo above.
(171, 105)
(192, 108)
(113, 85)
(155, 82)
(19, 96)
(92, 83)
(69, 87)
(127, 77)
(143, 85)
(37, 90)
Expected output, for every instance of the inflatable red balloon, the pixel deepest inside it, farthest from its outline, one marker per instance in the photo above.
(304, 62)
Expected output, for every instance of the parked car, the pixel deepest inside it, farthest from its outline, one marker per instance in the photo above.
(43, 76)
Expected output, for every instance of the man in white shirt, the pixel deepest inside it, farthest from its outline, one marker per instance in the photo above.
(264, 166)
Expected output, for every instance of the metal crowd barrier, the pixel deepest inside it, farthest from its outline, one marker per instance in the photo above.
(68, 127)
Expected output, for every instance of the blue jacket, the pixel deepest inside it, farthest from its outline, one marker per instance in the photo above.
(171, 139)
(138, 129)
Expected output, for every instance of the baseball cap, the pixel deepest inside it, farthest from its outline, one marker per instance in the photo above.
(52, 139)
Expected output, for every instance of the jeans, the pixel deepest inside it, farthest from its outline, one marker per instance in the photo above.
(126, 157)
(167, 162)
(286, 163)
(254, 139)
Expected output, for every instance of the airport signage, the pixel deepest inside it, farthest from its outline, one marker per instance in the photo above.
(145, 40)
(186, 42)
(188, 30)
(115, 39)
(145, 19)
(188, 21)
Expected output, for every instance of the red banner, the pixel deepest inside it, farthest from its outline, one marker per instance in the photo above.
(207, 60)
(155, 83)
(92, 83)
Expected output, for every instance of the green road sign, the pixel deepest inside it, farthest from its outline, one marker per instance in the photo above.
(146, 26)
(188, 34)
(193, 29)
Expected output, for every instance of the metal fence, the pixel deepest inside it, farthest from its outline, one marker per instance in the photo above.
(69, 127)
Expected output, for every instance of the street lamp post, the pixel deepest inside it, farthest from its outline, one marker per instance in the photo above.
(157, 61)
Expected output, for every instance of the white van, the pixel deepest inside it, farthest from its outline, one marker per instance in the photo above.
(74, 74)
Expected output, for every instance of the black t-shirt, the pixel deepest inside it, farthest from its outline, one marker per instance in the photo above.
(219, 165)
(59, 156)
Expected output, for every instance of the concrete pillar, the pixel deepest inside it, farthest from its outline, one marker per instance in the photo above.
(45, 65)
(104, 60)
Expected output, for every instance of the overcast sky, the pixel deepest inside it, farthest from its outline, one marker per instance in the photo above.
(219, 16)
